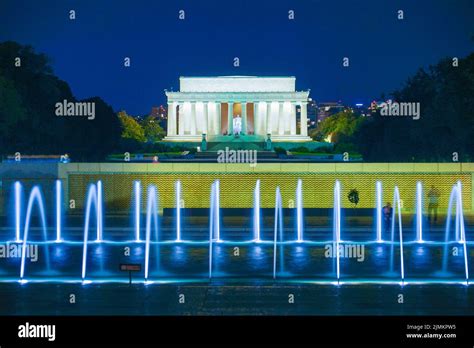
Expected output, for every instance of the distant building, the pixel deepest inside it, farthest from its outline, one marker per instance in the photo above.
(312, 113)
(159, 112)
(327, 109)
(362, 109)
(377, 105)
(258, 107)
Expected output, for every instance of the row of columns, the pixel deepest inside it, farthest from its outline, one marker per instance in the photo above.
(197, 118)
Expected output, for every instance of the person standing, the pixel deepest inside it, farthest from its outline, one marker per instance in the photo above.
(433, 202)
(387, 217)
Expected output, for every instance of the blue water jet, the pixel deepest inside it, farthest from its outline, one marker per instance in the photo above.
(99, 206)
(460, 232)
(137, 189)
(256, 212)
(58, 210)
(278, 226)
(419, 212)
(299, 210)
(18, 205)
(337, 225)
(178, 210)
(214, 221)
(397, 209)
(215, 211)
(378, 200)
(151, 213)
(91, 199)
(35, 196)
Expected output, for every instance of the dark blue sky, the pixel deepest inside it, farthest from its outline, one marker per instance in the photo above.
(88, 52)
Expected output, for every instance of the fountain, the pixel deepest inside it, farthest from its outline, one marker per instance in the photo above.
(215, 211)
(91, 199)
(397, 208)
(278, 225)
(256, 212)
(299, 210)
(178, 210)
(419, 212)
(462, 231)
(99, 207)
(460, 237)
(337, 225)
(378, 209)
(35, 196)
(151, 213)
(94, 204)
(18, 190)
(456, 192)
(211, 233)
(453, 198)
(58, 210)
(214, 221)
(137, 188)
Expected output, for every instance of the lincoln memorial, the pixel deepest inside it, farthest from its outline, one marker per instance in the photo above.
(247, 107)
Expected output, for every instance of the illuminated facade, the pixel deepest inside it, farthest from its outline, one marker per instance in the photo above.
(263, 105)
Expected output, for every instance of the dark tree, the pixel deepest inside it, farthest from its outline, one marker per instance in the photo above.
(446, 96)
(93, 140)
(28, 122)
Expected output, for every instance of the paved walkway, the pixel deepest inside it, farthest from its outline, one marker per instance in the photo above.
(235, 299)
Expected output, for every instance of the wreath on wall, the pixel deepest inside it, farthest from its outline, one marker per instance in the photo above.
(353, 196)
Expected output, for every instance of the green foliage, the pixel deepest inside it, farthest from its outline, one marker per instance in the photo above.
(131, 129)
(341, 129)
(324, 149)
(92, 140)
(152, 129)
(346, 143)
(344, 123)
(446, 124)
(28, 123)
(279, 150)
(302, 149)
(12, 110)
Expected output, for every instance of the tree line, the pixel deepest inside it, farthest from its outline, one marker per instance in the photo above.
(29, 91)
(444, 131)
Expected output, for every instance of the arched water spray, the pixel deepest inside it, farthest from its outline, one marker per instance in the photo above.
(91, 199)
(299, 210)
(35, 196)
(99, 207)
(378, 211)
(419, 212)
(453, 198)
(58, 209)
(137, 189)
(397, 208)
(256, 212)
(337, 225)
(210, 249)
(278, 226)
(460, 232)
(178, 210)
(151, 213)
